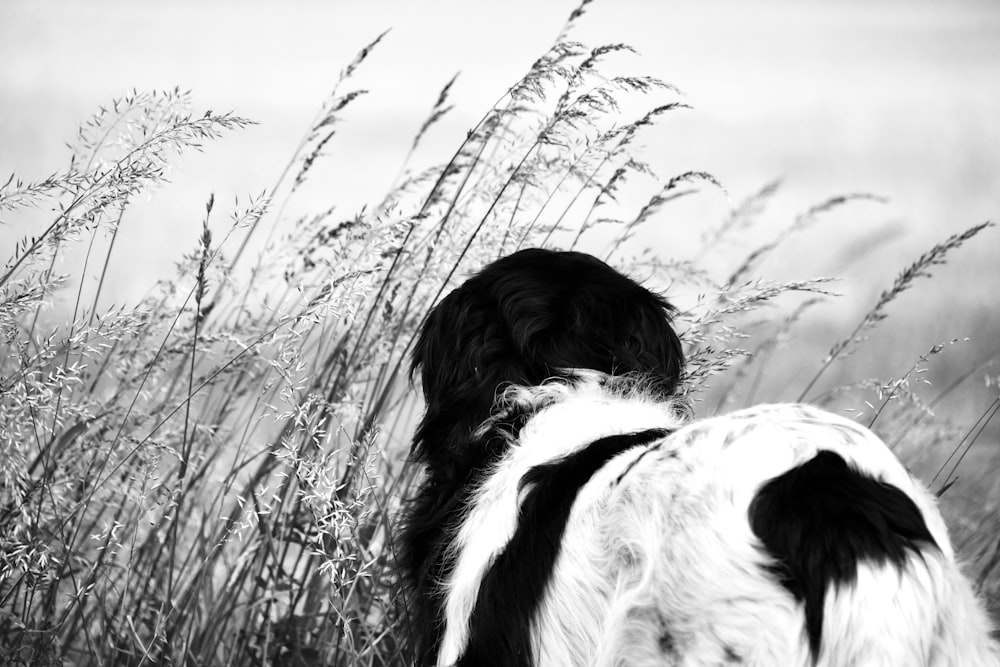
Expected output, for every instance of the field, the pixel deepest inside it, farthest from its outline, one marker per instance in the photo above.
(209, 477)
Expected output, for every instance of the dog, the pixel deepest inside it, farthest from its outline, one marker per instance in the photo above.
(572, 513)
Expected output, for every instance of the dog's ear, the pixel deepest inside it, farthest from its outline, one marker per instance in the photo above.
(650, 345)
(464, 354)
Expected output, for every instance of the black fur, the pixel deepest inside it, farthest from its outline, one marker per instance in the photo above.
(821, 519)
(523, 319)
(500, 626)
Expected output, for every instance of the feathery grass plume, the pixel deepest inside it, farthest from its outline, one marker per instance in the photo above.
(762, 292)
(802, 221)
(756, 359)
(729, 300)
(666, 194)
(979, 369)
(712, 323)
(440, 108)
(609, 148)
(145, 135)
(895, 387)
(315, 138)
(905, 280)
(740, 218)
(16, 193)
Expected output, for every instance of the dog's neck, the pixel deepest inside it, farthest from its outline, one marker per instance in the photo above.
(587, 404)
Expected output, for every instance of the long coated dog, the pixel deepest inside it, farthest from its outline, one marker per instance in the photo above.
(573, 514)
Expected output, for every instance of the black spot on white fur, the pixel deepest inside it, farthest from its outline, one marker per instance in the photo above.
(500, 627)
(667, 644)
(822, 518)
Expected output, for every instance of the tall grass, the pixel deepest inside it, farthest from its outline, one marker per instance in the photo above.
(209, 477)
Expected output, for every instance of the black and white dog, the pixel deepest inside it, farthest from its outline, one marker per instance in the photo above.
(572, 514)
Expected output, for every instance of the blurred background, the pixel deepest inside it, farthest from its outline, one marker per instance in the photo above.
(896, 98)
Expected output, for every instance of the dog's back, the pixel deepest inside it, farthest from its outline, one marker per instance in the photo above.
(778, 535)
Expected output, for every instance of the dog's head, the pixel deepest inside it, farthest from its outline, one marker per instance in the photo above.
(523, 319)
